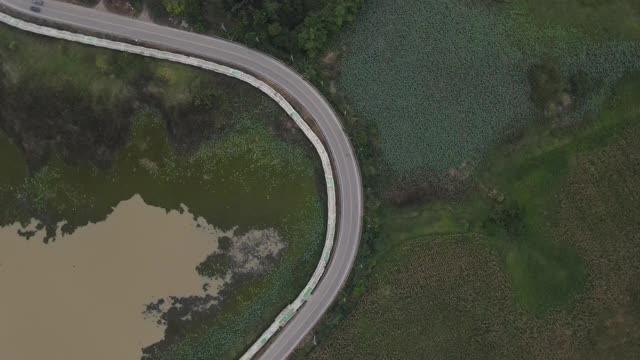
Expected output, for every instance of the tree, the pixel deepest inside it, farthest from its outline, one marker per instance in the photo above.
(275, 29)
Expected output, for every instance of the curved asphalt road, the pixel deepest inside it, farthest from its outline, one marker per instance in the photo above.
(346, 171)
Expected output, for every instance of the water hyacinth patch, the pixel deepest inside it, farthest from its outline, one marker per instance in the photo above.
(444, 80)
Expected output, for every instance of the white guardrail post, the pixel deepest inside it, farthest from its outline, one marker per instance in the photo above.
(288, 312)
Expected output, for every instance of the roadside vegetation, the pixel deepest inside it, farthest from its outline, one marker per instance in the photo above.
(283, 28)
(297, 32)
(82, 129)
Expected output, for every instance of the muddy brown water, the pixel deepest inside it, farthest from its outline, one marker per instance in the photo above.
(83, 296)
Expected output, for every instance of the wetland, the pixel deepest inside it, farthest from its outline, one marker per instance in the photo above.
(145, 207)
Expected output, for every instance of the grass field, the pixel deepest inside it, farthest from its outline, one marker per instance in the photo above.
(596, 19)
(82, 129)
(539, 262)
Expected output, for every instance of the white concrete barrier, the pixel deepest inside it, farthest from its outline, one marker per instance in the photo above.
(288, 312)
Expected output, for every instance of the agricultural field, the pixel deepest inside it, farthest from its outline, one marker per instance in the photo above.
(445, 80)
(84, 129)
(539, 261)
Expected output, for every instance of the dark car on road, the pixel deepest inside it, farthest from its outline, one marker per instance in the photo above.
(35, 9)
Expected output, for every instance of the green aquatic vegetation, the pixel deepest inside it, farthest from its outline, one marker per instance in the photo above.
(242, 179)
(246, 168)
(445, 80)
(187, 137)
(439, 80)
(547, 244)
